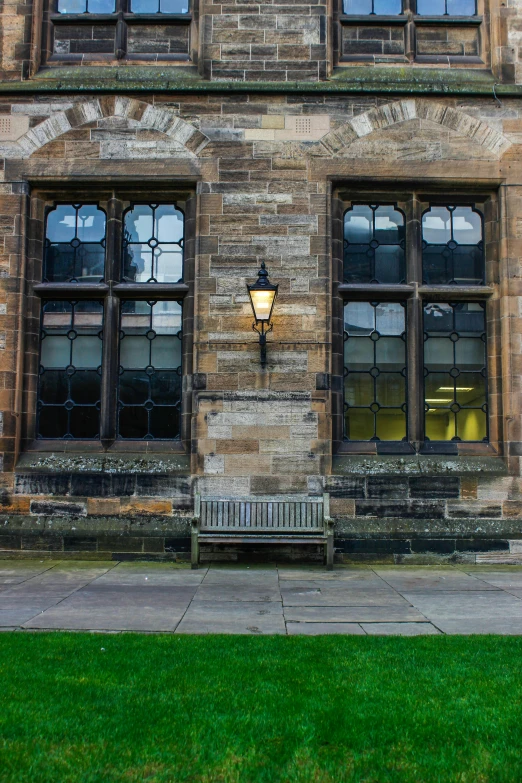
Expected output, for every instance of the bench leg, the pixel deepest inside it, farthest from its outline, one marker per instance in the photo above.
(329, 550)
(194, 546)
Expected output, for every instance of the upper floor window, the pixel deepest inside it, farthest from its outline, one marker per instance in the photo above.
(135, 7)
(446, 7)
(101, 30)
(437, 31)
(372, 7)
(110, 351)
(415, 328)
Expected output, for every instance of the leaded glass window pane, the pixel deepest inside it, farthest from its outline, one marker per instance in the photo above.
(75, 244)
(446, 7)
(149, 391)
(366, 7)
(374, 244)
(375, 371)
(70, 369)
(452, 246)
(153, 244)
(455, 371)
(86, 6)
(159, 6)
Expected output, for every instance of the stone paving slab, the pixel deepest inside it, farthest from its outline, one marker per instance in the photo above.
(400, 629)
(240, 592)
(14, 573)
(228, 617)
(73, 576)
(482, 625)
(242, 577)
(339, 574)
(434, 579)
(18, 616)
(502, 579)
(353, 614)
(340, 596)
(118, 608)
(320, 629)
(466, 605)
(265, 599)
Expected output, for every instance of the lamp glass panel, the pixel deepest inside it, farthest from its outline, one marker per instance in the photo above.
(262, 301)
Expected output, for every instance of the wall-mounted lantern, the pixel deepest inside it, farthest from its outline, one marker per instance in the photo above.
(262, 297)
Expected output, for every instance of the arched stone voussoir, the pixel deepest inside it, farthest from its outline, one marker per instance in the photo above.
(416, 108)
(148, 116)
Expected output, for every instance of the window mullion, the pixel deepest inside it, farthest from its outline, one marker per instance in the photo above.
(414, 325)
(113, 255)
(109, 383)
(113, 266)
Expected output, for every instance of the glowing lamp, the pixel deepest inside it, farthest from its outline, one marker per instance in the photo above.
(262, 295)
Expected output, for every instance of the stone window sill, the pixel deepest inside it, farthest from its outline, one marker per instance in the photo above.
(418, 465)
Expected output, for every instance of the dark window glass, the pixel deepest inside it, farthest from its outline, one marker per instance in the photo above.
(70, 369)
(366, 7)
(74, 244)
(159, 6)
(452, 246)
(153, 244)
(455, 372)
(446, 7)
(149, 394)
(374, 244)
(86, 6)
(375, 371)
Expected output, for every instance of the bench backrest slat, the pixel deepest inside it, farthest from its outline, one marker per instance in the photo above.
(278, 513)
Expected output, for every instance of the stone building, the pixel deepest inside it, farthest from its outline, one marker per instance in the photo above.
(154, 153)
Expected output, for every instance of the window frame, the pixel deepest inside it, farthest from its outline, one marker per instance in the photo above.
(415, 294)
(410, 21)
(120, 20)
(112, 291)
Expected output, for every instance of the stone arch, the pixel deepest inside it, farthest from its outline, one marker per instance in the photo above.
(149, 117)
(415, 108)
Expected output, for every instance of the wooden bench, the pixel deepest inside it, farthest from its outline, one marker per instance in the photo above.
(253, 520)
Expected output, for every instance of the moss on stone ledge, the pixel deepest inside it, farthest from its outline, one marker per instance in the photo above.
(395, 80)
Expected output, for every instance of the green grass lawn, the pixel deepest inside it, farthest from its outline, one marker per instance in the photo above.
(243, 709)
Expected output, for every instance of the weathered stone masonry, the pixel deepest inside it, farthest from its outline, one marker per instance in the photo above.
(265, 141)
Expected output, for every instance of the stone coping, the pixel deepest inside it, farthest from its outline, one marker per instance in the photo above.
(179, 523)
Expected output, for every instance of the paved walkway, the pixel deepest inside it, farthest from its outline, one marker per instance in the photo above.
(164, 597)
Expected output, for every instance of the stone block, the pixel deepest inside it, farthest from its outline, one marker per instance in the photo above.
(57, 508)
(342, 507)
(434, 487)
(408, 509)
(103, 506)
(273, 121)
(468, 509)
(387, 487)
